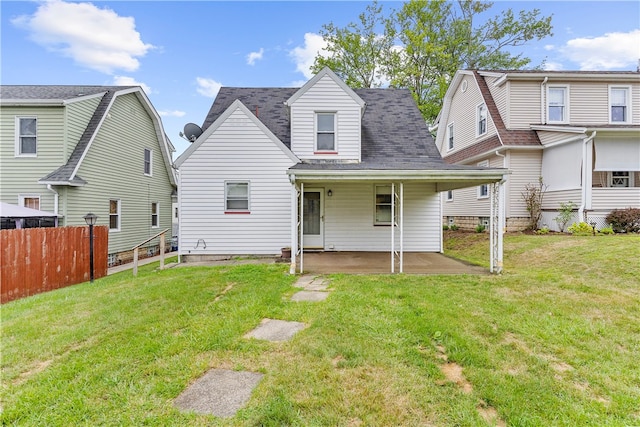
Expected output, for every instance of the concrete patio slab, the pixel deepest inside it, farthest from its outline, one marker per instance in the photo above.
(317, 263)
(219, 392)
(312, 296)
(276, 330)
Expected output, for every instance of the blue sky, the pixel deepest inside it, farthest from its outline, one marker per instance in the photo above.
(180, 52)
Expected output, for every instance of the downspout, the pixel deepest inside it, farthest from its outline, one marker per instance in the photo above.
(586, 171)
(543, 109)
(55, 201)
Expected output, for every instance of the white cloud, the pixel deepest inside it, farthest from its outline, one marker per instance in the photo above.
(255, 56)
(612, 51)
(305, 55)
(96, 38)
(552, 66)
(549, 47)
(130, 81)
(174, 113)
(208, 87)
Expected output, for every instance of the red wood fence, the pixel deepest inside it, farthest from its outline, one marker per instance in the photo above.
(35, 260)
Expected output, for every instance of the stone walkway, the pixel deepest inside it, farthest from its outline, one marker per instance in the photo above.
(221, 392)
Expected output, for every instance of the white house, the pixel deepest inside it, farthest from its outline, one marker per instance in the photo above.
(322, 167)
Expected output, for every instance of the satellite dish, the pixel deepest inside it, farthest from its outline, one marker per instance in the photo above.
(192, 131)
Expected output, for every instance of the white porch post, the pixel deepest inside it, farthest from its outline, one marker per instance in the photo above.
(496, 227)
(393, 227)
(301, 227)
(294, 228)
(401, 226)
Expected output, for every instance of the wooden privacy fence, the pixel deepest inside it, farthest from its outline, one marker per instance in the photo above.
(36, 260)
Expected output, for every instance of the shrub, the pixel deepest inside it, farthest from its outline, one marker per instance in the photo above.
(543, 230)
(625, 220)
(532, 197)
(445, 227)
(480, 228)
(453, 227)
(581, 229)
(564, 214)
(606, 230)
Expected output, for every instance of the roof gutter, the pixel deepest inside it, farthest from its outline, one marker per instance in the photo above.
(543, 113)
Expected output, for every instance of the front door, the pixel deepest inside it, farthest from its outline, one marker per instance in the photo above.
(313, 219)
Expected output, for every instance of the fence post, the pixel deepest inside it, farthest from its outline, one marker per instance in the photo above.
(135, 262)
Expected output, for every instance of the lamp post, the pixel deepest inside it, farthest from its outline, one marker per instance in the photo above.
(90, 219)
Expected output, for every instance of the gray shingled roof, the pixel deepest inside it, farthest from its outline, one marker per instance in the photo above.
(54, 92)
(394, 134)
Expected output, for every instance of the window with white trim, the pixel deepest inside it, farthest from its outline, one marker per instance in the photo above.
(620, 179)
(450, 137)
(449, 197)
(619, 104)
(26, 136)
(114, 215)
(557, 104)
(326, 132)
(236, 195)
(481, 120)
(148, 162)
(483, 189)
(383, 198)
(31, 201)
(155, 214)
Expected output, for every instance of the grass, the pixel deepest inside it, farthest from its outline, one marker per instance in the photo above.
(554, 341)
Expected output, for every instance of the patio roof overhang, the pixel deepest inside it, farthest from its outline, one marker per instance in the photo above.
(445, 179)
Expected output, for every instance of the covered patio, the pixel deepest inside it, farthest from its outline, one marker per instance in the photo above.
(378, 263)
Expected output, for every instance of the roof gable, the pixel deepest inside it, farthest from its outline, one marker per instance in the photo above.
(326, 71)
(235, 105)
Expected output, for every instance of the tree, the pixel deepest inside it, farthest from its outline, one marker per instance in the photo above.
(422, 45)
(357, 52)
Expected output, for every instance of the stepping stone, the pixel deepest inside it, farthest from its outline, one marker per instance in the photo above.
(304, 281)
(276, 330)
(310, 296)
(219, 392)
(318, 284)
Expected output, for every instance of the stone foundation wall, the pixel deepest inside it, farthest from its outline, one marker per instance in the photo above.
(471, 222)
(143, 252)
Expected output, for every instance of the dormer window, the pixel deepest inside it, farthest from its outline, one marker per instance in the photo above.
(326, 132)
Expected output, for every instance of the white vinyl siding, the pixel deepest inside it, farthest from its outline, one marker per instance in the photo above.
(240, 152)
(349, 219)
(325, 96)
(524, 104)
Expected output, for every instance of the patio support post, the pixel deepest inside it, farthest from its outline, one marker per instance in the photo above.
(294, 228)
(496, 227)
(301, 227)
(393, 228)
(401, 216)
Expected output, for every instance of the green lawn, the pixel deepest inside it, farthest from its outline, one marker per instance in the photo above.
(554, 341)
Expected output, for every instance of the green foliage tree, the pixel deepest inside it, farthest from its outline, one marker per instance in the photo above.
(421, 46)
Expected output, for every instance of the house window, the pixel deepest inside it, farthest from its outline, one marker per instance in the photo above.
(481, 118)
(155, 215)
(236, 196)
(620, 179)
(31, 201)
(26, 136)
(450, 137)
(483, 189)
(326, 132)
(147, 161)
(557, 104)
(450, 196)
(619, 104)
(383, 199)
(114, 215)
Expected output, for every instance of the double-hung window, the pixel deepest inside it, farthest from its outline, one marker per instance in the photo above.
(557, 104)
(483, 189)
(383, 199)
(236, 197)
(326, 132)
(450, 137)
(619, 102)
(481, 120)
(26, 136)
(148, 161)
(155, 214)
(31, 201)
(114, 215)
